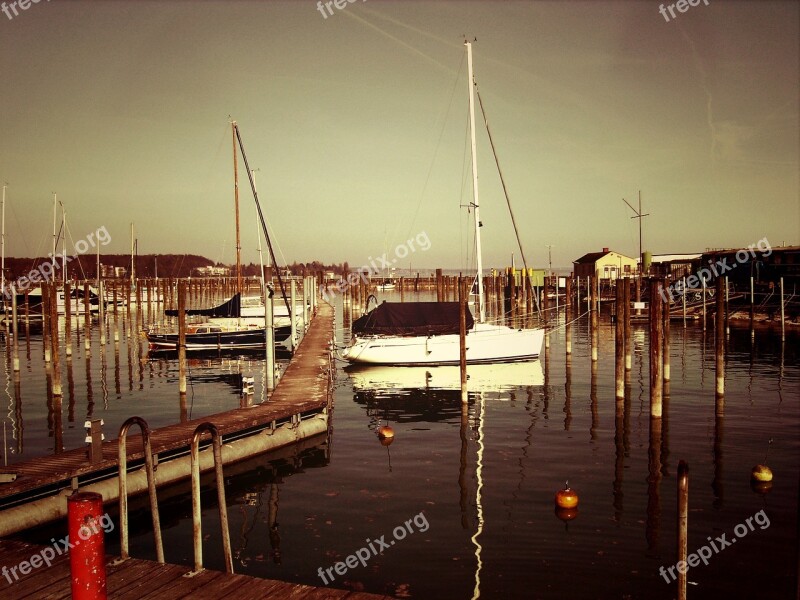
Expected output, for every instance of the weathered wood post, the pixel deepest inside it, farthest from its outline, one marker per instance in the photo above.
(719, 337)
(462, 337)
(626, 315)
(656, 347)
(15, 332)
(56, 356)
(593, 317)
(181, 338)
(87, 319)
(67, 319)
(619, 341)
(46, 323)
(666, 310)
(568, 316)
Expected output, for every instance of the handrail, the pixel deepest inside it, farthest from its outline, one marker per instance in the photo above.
(223, 508)
(123, 487)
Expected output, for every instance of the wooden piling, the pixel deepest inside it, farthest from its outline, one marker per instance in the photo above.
(568, 316)
(101, 301)
(683, 525)
(619, 341)
(67, 319)
(15, 332)
(46, 323)
(594, 333)
(656, 347)
(87, 319)
(783, 322)
(719, 337)
(439, 286)
(181, 338)
(626, 315)
(665, 326)
(462, 337)
(56, 357)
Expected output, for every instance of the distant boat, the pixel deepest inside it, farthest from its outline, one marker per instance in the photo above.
(427, 333)
(386, 285)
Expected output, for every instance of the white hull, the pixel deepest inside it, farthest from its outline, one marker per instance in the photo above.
(485, 344)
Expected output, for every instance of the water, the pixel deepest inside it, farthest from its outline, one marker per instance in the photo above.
(477, 488)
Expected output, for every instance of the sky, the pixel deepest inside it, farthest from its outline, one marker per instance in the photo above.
(355, 121)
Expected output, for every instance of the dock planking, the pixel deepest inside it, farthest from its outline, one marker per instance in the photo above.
(303, 389)
(136, 579)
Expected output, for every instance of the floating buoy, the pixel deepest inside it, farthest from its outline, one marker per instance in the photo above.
(385, 435)
(566, 498)
(566, 514)
(761, 473)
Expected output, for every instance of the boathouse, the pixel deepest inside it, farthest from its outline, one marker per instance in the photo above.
(605, 265)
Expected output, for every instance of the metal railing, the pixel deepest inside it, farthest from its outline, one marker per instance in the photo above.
(123, 487)
(216, 441)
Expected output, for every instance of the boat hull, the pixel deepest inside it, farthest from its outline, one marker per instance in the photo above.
(485, 344)
(233, 340)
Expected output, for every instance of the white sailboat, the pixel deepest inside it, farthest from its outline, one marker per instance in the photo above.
(427, 333)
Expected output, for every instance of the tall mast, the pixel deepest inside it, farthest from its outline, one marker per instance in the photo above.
(55, 214)
(236, 202)
(475, 203)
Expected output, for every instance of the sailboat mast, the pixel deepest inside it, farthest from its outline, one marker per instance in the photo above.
(236, 202)
(475, 203)
(55, 214)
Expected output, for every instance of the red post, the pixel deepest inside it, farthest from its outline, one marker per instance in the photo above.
(87, 556)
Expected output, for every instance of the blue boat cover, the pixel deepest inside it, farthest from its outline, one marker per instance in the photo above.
(412, 318)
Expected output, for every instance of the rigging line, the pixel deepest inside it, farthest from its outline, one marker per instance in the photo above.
(263, 223)
(77, 256)
(438, 144)
(508, 200)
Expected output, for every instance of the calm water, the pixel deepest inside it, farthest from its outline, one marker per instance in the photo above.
(483, 480)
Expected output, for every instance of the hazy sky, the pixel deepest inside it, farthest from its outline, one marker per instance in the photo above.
(357, 124)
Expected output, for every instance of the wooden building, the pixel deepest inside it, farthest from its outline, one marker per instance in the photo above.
(605, 265)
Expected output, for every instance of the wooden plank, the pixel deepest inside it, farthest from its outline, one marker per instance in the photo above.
(180, 586)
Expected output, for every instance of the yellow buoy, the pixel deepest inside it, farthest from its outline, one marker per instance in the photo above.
(567, 498)
(761, 473)
(761, 487)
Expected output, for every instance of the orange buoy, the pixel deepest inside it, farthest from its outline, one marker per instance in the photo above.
(386, 435)
(761, 473)
(567, 498)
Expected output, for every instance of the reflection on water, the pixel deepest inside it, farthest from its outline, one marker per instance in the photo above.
(485, 473)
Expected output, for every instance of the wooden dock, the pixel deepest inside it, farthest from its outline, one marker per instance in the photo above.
(302, 393)
(136, 579)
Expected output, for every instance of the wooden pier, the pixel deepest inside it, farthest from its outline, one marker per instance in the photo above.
(298, 408)
(136, 579)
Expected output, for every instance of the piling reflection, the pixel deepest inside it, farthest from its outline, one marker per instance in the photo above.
(653, 525)
(70, 391)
